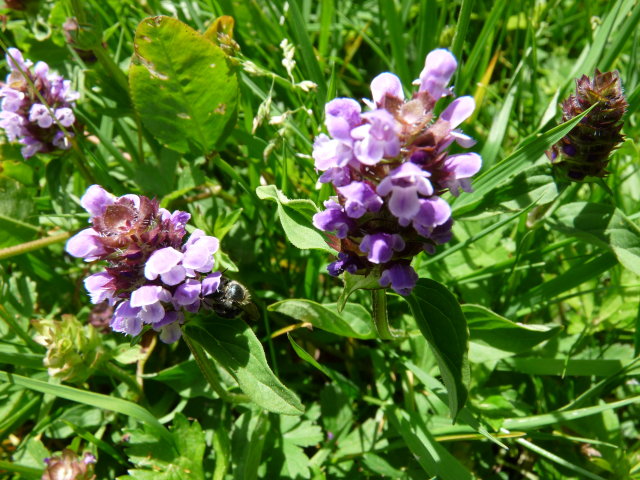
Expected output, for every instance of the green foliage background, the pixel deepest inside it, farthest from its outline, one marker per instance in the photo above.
(546, 273)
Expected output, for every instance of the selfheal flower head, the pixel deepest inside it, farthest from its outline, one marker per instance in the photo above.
(585, 150)
(37, 106)
(154, 272)
(390, 167)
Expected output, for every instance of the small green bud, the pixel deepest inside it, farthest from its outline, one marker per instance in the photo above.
(73, 350)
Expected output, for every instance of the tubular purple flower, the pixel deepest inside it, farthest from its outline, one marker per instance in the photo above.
(439, 67)
(333, 219)
(402, 278)
(360, 198)
(377, 138)
(462, 167)
(379, 247)
(96, 199)
(386, 84)
(100, 287)
(342, 115)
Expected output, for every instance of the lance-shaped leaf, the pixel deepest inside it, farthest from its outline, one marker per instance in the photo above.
(181, 85)
(442, 323)
(235, 347)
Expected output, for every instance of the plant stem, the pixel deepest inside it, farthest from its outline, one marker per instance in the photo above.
(380, 318)
(33, 245)
(123, 376)
(211, 374)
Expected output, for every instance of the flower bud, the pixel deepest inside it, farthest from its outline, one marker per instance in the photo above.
(67, 466)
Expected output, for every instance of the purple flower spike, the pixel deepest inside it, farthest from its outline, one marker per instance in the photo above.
(377, 138)
(404, 184)
(96, 200)
(462, 167)
(333, 219)
(379, 247)
(458, 111)
(360, 198)
(402, 278)
(342, 115)
(438, 70)
(386, 84)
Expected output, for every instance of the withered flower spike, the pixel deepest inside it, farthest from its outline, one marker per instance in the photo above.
(585, 150)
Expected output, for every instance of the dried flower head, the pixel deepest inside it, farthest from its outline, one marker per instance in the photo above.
(68, 466)
(585, 150)
(152, 276)
(36, 104)
(390, 166)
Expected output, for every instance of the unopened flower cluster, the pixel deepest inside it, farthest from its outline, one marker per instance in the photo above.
(35, 104)
(585, 150)
(389, 167)
(153, 275)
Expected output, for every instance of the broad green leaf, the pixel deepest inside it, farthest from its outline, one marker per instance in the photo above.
(154, 458)
(97, 400)
(247, 443)
(354, 321)
(442, 323)
(433, 457)
(295, 218)
(232, 343)
(602, 225)
(493, 337)
(181, 85)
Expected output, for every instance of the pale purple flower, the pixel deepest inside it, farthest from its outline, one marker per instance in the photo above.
(65, 116)
(461, 168)
(404, 184)
(339, 176)
(126, 320)
(13, 125)
(402, 278)
(198, 254)
(188, 292)
(96, 199)
(211, 283)
(166, 264)
(439, 67)
(342, 115)
(379, 247)
(40, 114)
(31, 146)
(360, 198)
(170, 333)
(377, 138)
(86, 245)
(386, 84)
(332, 219)
(100, 287)
(433, 211)
(12, 99)
(328, 153)
(458, 111)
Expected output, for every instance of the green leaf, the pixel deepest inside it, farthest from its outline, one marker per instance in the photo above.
(493, 337)
(16, 206)
(155, 459)
(432, 457)
(442, 323)
(295, 218)
(233, 344)
(181, 85)
(354, 321)
(97, 400)
(356, 282)
(603, 225)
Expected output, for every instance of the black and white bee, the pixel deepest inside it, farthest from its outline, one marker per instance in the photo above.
(230, 300)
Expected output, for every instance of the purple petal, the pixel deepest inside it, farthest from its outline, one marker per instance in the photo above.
(211, 283)
(170, 333)
(458, 111)
(333, 219)
(149, 295)
(100, 287)
(329, 153)
(65, 116)
(402, 278)
(169, 317)
(199, 255)
(342, 114)
(433, 212)
(360, 197)
(162, 261)
(464, 165)
(462, 139)
(404, 204)
(187, 293)
(380, 246)
(85, 244)
(386, 84)
(439, 67)
(125, 319)
(96, 199)
(40, 114)
(153, 313)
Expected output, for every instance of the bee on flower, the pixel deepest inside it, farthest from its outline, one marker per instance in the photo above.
(390, 166)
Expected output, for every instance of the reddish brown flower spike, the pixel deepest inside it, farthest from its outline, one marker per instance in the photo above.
(585, 150)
